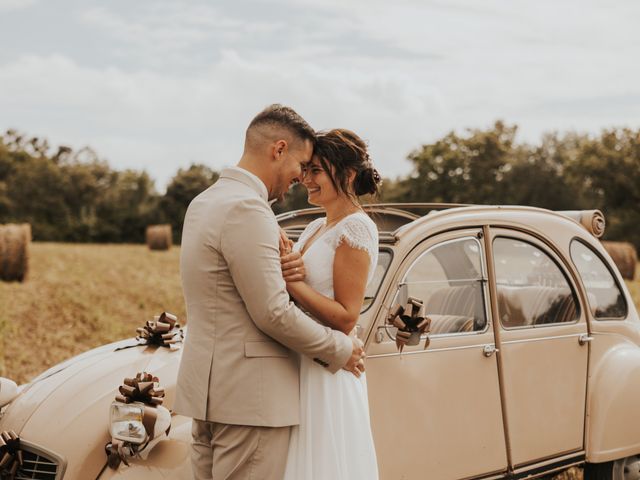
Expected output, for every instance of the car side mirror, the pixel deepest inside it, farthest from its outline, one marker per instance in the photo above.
(401, 298)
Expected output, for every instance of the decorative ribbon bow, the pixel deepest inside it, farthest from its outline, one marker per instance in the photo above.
(410, 322)
(143, 388)
(10, 454)
(164, 331)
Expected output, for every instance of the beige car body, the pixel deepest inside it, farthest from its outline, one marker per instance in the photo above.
(487, 402)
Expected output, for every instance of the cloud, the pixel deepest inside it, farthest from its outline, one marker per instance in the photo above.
(10, 5)
(161, 121)
(161, 84)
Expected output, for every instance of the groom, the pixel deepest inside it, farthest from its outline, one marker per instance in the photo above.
(238, 375)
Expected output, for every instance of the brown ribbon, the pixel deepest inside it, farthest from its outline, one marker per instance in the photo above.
(142, 388)
(117, 451)
(11, 458)
(164, 331)
(411, 323)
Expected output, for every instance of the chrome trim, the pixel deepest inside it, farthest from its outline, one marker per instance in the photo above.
(542, 467)
(428, 350)
(541, 339)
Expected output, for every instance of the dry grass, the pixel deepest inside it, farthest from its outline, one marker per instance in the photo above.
(571, 474)
(80, 296)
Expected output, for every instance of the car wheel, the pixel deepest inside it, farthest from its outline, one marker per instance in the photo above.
(622, 469)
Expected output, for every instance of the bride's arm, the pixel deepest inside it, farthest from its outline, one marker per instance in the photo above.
(350, 270)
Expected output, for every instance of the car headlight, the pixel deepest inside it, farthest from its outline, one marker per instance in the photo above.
(8, 391)
(126, 422)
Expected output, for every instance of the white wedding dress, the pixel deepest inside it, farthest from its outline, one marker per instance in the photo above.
(333, 440)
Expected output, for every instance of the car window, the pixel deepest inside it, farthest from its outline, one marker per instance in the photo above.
(532, 289)
(384, 259)
(449, 278)
(604, 295)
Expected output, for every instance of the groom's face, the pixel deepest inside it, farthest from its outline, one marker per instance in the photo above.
(289, 166)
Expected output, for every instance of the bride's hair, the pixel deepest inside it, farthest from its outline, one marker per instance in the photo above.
(341, 152)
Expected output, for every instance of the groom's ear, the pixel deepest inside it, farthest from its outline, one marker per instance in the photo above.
(279, 148)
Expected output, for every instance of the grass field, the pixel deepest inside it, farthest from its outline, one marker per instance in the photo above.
(79, 296)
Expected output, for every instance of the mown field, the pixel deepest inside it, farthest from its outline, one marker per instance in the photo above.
(79, 296)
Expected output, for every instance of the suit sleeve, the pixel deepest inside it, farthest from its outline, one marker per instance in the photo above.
(249, 244)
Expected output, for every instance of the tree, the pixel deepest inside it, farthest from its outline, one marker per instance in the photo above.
(538, 174)
(460, 169)
(130, 204)
(609, 170)
(37, 192)
(183, 188)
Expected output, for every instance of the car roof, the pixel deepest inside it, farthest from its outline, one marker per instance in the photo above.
(396, 220)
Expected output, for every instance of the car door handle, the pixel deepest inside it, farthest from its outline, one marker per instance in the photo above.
(489, 350)
(584, 339)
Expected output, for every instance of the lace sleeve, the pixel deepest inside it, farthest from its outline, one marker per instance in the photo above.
(358, 231)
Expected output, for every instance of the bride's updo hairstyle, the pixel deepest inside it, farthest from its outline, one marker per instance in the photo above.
(341, 152)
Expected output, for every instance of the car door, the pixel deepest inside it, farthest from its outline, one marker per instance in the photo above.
(436, 412)
(543, 348)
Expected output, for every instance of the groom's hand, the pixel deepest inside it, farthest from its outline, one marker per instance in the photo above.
(355, 364)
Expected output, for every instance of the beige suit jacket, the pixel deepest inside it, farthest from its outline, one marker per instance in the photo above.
(237, 364)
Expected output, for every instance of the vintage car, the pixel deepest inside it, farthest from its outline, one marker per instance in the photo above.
(517, 355)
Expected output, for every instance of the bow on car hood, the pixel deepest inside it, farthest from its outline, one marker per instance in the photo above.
(66, 409)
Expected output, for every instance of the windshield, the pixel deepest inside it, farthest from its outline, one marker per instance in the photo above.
(384, 259)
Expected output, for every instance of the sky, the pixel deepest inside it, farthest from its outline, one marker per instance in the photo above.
(157, 85)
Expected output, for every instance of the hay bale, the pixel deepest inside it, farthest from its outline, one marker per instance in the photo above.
(625, 257)
(159, 237)
(15, 241)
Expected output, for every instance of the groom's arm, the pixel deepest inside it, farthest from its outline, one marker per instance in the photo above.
(249, 244)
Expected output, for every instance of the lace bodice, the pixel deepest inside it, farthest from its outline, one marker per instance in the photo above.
(357, 230)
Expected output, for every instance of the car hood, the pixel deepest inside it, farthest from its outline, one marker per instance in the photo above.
(66, 409)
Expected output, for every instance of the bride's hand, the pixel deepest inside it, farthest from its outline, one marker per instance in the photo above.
(285, 244)
(292, 267)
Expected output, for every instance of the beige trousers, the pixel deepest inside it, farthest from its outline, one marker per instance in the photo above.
(238, 452)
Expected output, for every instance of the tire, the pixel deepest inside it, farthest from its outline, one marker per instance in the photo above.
(622, 469)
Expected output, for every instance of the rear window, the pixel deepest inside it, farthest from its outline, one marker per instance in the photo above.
(532, 289)
(604, 294)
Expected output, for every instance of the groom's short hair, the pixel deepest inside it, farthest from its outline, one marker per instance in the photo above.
(278, 116)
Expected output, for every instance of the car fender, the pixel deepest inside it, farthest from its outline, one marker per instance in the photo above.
(169, 458)
(66, 413)
(613, 403)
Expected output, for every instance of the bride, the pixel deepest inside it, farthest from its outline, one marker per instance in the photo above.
(340, 251)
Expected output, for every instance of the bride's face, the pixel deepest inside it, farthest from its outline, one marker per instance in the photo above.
(320, 189)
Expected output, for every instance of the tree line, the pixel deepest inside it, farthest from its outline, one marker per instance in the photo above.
(75, 196)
